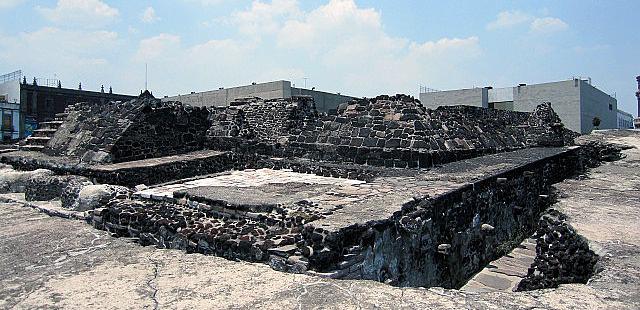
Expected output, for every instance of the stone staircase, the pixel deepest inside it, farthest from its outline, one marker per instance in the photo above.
(41, 136)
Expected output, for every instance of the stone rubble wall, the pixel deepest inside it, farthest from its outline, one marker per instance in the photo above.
(385, 131)
(233, 232)
(54, 187)
(562, 255)
(256, 120)
(443, 241)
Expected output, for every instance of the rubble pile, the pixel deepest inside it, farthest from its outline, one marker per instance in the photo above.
(55, 186)
(251, 233)
(562, 255)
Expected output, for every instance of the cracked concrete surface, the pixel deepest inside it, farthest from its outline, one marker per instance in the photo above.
(60, 263)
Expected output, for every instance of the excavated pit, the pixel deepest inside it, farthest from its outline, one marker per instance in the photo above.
(408, 227)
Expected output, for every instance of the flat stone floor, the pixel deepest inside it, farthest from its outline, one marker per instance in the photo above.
(196, 155)
(58, 263)
(47, 160)
(505, 273)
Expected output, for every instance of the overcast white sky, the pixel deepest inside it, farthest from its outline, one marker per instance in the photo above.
(361, 48)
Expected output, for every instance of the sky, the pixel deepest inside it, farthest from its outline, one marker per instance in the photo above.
(359, 48)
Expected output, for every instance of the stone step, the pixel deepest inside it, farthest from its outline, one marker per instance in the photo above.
(48, 132)
(505, 273)
(50, 125)
(37, 140)
(32, 147)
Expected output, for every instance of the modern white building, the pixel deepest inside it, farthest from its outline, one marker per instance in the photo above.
(576, 101)
(270, 90)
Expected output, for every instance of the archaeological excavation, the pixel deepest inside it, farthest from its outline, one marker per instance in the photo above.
(379, 189)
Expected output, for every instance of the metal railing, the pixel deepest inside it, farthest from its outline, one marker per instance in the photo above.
(424, 89)
(47, 82)
(12, 76)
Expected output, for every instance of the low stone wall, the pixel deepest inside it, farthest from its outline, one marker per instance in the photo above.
(233, 232)
(53, 187)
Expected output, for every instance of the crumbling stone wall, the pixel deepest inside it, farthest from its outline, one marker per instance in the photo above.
(562, 255)
(386, 131)
(252, 121)
(122, 131)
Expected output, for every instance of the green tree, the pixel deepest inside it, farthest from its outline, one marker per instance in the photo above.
(596, 122)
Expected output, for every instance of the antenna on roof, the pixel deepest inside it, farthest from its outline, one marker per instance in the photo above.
(146, 71)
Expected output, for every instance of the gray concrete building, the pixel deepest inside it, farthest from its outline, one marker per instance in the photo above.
(576, 101)
(270, 90)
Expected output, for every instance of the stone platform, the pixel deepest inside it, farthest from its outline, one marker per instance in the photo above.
(145, 171)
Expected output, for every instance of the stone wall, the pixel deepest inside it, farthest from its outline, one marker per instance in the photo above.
(122, 131)
(386, 131)
(562, 255)
(252, 120)
(444, 240)
(162, 129)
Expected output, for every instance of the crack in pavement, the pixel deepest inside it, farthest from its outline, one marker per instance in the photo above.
(153, 285)
(345, 291)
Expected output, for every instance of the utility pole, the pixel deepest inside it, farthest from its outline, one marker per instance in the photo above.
(305, 81)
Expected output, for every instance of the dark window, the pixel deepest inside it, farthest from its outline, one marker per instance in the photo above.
(610, 107)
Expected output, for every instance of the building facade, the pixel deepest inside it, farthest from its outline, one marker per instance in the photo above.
(40, 103)
(10, 117)
(636, 122)
(576, 101)
(625, 120)
(271, 90)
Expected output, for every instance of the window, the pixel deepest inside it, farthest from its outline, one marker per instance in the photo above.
(610, 107)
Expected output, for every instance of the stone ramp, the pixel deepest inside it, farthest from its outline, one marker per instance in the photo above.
(504, 274)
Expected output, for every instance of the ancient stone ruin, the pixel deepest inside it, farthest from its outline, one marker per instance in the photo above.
(383, 189)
